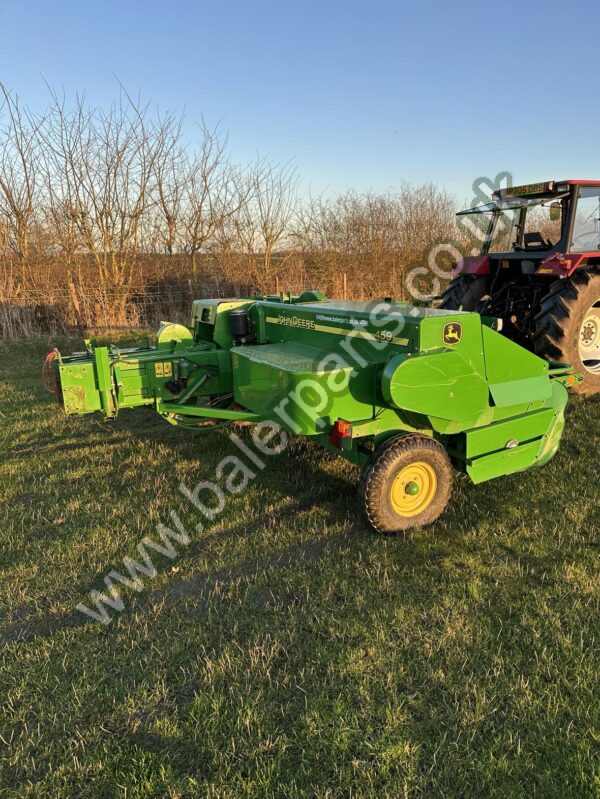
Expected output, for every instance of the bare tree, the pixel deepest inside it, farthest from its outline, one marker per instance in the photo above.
(107, 163)
(273, 203)
(112, 192)
(100, 180)
(19, 162)
(208, 195)
(373, 238)
(172, 176)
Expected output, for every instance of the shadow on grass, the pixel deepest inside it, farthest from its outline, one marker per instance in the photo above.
(359, 536)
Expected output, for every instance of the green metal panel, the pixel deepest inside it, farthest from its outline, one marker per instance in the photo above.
(457, 332)
(514, 374)
(544, 427)
(505, 462)
(440, 384)
(553, 436)
(292, 383)
(347, 328)
(499, 435)
(78, 386)
(210, 319)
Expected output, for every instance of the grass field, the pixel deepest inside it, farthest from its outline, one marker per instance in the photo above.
(288, 651)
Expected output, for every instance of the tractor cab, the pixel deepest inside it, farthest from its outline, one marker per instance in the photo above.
(534, 263)
(541, 227)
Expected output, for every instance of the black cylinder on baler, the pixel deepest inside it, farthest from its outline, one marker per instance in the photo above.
(239, 324)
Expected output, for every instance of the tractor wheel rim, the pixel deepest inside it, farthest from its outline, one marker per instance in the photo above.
(589, 340)
(413, 489)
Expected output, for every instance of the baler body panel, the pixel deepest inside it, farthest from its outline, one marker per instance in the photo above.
(210, 320)
(292, 383)
(514, 374)
(351, 328)
(461, 393)
(516, 444)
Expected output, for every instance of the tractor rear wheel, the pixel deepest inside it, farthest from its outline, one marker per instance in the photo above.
(464, 293)
(567, 328)
(407, 484)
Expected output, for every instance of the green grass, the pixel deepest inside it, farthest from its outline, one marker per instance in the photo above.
(288, 651)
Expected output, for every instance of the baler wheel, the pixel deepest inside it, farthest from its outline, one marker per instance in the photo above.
(407, 484)
(567, 328)
(464, 293)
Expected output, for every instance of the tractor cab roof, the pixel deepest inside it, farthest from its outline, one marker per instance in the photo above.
(581, 182)
(514, 197)
(546, 188)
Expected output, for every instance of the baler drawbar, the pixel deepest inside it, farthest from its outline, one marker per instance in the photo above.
(408, 394)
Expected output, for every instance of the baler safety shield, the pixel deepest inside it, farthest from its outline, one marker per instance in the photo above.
(439, 384)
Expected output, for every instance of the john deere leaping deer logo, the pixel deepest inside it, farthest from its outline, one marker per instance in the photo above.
(452, 333)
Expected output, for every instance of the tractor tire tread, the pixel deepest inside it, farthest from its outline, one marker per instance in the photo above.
(553, 338)
(457, 293)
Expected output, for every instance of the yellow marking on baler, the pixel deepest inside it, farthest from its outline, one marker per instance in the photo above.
(163, 369)
(343, 331)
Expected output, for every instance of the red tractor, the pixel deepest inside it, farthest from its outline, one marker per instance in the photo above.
(537, 267)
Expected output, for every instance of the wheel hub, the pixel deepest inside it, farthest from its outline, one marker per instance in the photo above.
(413, 489)
(589, 339)
(589, 332)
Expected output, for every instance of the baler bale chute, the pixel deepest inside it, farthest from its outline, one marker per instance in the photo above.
(407, 394)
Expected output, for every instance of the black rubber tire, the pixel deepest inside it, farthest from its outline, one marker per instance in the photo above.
(558, 324)
(394, 455)
(464, 293)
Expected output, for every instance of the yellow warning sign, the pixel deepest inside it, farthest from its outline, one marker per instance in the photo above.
(163, 369)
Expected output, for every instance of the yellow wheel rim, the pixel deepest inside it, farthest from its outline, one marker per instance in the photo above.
(413, 489)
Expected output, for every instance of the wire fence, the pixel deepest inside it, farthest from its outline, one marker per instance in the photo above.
(75, 303)
(73, 309)
(60, 312)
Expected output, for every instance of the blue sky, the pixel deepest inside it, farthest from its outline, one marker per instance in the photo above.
(358, 94)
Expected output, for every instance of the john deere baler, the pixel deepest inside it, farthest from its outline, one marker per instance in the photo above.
(408, 394)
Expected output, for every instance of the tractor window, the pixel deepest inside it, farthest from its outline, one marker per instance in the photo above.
(538, 221)
(505, 231)
(475, 229)
(586, 230)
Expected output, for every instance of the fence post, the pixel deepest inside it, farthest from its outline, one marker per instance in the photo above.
(75, 302)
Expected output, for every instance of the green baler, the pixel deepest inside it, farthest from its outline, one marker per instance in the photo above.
(409, 394)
